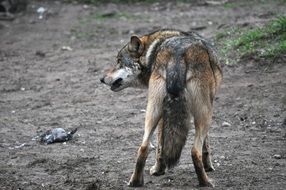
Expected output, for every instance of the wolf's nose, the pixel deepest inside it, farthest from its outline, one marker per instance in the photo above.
(102, 80)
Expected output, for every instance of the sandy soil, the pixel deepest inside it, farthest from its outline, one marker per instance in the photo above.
(43, 86)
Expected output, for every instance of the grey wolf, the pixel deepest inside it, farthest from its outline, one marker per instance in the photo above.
(182, 75)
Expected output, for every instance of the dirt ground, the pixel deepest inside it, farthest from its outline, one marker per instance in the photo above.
(43, 86)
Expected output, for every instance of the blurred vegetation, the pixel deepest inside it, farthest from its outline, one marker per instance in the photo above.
(268, 41)
(94, 26)
(230, 4)
(111, 1)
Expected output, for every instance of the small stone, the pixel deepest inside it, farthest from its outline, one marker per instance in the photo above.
(277, 156)
(226, 124)
(276, 115)
(22, 89)
(66, 48)
(85, 6)
(40, 53)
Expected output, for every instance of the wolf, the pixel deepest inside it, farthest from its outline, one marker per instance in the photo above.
(182, 74)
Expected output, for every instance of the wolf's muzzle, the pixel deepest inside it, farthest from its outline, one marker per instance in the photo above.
(116, 84)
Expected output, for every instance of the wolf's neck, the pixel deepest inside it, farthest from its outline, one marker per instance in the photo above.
(151, 51)
(150, 58)
(152, 44)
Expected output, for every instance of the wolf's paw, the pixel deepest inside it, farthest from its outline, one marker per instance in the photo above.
(136, 181)
(156, 171)
(209, 168)
(207, 184)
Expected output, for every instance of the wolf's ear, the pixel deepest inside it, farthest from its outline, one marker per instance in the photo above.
(136, 45)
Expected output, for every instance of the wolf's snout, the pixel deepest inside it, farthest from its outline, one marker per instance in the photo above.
(117, 82)
(102, 79)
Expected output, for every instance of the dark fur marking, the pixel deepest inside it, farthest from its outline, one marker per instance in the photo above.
(175, 79)
(175, 129)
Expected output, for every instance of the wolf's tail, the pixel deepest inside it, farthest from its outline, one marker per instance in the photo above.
(175, 116)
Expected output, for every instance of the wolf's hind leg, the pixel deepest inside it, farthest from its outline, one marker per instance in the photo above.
(160, 166)
(156, 95)
(202, 123)
(207, 156)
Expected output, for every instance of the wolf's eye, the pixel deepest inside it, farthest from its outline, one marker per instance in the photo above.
(119, 61)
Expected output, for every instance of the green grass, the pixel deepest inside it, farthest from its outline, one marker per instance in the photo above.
(236, 4)
(268, 41)
(231, 5)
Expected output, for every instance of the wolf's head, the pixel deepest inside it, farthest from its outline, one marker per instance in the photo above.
(126, 72)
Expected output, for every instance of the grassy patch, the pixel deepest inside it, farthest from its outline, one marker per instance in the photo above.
(268, 41)
(231, 5)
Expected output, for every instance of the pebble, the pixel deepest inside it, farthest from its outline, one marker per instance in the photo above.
(277, 156)
(66, 48)
(226, 124)
(85, 6)
(222, 157)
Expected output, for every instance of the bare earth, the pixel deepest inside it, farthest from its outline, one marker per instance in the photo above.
(44, 87)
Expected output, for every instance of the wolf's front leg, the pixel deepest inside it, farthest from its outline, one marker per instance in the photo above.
(156, 95)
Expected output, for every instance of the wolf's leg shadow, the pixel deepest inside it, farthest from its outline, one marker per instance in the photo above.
(156, 94)
(160, 166)
(207, 156)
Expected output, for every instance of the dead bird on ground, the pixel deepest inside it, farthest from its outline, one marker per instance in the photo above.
(56, 135)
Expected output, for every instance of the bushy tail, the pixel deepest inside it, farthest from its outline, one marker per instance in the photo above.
(175, 116)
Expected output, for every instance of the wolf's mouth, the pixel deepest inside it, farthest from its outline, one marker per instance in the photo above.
(116, 84)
